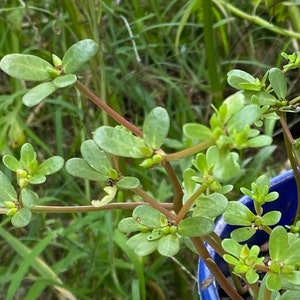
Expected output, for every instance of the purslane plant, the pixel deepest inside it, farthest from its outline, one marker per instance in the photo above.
(199, 193)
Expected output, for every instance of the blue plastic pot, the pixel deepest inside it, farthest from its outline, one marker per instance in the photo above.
(285, 185)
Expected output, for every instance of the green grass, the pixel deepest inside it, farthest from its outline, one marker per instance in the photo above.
(152, 53)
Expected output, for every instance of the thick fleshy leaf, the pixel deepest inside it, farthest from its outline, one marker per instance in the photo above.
(290, 295)
(29, 198)
(78, 54)
(278, 82)
(128, 183)
(232, 246)
(248, 115)
(196, 226)
(128, 225)
(271, 218)
(95, 157)
(243, 234)
(11, 162)
(291, 281)
(141, 245)
(260, 141)
(211, 205)
(37, 179)
(26, 67)
(50, 165)
(168, 245)
(78, 167)
(238, 214)
(38, 93)
(65, 80)
(234, 103)
(197, 131)
(189, 183)
(156, 127)
(22, 217)
(293, 254)
(120, 141)
(273, 281)
(236, 77)
(147, 216)
(7, 191)
(278, 244)
(225, 163)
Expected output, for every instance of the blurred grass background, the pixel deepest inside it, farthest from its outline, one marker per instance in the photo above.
(174, 54)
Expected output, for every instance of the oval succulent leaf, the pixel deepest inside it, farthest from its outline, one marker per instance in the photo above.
(156, 127)
(11, 163)
(50, 165)
(278, 82)
(7, 191)
(238, 214)
(29, 198)
(119, 141)
(197, 131)
(26, 67)
(22, 217)
(78, 167)
(95, 157)
(78, 54)
(141, 245)
(37, 94)
(168, 245)
(128, 183)
(147, 216)
(65, 80)
(236, 77)
(196, 226)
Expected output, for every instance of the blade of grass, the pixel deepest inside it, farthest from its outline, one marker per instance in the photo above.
(37, 263)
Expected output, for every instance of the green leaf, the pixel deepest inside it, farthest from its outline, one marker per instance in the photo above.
(197, 131)
(237, 77)
(211, 205)
(196, 226)
(248, 115)
(290, 295)
(7, 191)
(29, 198)
(156, 127)
(37, 179)
(225, 163)
(50, 165)
(189, 183)
(78, 54)
(95, 157)
(11, 163)
(147, 216)
(278, 82)
(26, 67)
(141, 245)
(22, 217)
(242, 234)
(128, 225)
(64, 80)
(168, 245)
(292, 255)
(278, 244)
(120, 141)
(238, 214)
(128, 183)
(37, 94)
(78, 167)
(271, 218)
(232, 247)
(260, 141)
(28, 157)
(273, 281)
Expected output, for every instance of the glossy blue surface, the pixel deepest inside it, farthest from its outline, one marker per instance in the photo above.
(285, 185)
